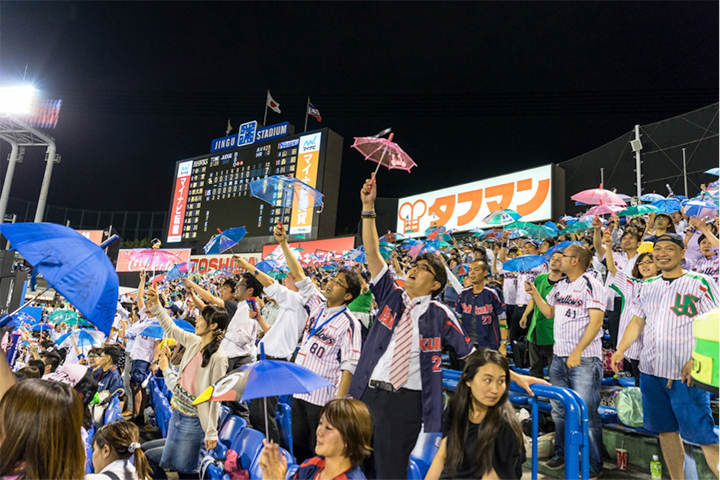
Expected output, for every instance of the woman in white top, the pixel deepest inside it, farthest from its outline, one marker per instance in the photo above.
(114, 445)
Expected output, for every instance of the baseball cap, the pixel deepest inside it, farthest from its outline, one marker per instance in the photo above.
(671, 237)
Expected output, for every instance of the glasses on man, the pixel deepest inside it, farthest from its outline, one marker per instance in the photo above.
(244, 285)
(569, 256)
(334, 279)
(424, 267)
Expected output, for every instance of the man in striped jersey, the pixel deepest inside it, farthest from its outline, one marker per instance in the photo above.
(330, 345)
(664, 310)
(577, 304)
(708, 263)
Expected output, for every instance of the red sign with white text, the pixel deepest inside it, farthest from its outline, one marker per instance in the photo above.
(94, 236)
(210, 263)
(336, 246)
(125, 262)
(179, 203)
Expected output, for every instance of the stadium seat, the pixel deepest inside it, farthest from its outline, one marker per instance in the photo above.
(256, 471)
(215, 473)
(163, 422)
(292, 470)
(423, 454)
(231, 429)
(286, 399)
(224, 412)
(248, 445)
(282, 417)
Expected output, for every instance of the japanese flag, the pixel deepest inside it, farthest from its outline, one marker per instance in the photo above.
(274, 106)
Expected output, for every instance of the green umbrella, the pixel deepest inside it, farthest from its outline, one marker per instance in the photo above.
(577, 227)
(636, 210)
(70, 317)
(538, 232)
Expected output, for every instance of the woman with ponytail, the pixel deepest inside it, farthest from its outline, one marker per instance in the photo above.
(114, 445)
(482, 437)
(193, 429)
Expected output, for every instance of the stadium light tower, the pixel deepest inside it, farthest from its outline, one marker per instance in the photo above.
(20, 108)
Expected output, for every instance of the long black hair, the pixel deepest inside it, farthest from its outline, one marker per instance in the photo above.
(460, 406)
(219, 316)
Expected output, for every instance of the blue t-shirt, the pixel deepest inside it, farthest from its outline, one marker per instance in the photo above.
(309, 468)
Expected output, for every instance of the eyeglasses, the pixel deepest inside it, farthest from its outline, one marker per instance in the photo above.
(569, 256)
(424, 267)
(334, 279)
(241, 285)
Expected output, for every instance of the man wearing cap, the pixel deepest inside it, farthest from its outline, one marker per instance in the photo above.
(665, 310)
(625, 262)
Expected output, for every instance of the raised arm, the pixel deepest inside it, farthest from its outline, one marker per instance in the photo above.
(598, 237)
(141, 292)
(701, 226)
(290, 259)
(206, 296)
(503, 247)
(369, 228)
(265, 280)
(611, 267)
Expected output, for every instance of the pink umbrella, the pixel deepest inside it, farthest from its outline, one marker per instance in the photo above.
(598, 196)
(385, 152)
(603, 209)
(154, 258)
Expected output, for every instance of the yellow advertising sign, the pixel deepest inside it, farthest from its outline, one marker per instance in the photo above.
(702, 368)
(306, 171)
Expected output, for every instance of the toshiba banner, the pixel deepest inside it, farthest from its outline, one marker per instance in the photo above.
(128, 260)
(463, 207)
(210, 263)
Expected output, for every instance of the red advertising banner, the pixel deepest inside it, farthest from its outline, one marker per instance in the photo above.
(336, 246)
(125, 263)
(179, 203)
(210, 263)
(95, 236)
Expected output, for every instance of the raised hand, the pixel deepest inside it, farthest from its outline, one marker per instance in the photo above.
(368, 193)
(279, 233)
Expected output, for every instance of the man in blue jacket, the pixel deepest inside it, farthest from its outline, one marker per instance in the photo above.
(399, 373)
(108, 373)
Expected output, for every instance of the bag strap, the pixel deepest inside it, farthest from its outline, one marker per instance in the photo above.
(112, 475)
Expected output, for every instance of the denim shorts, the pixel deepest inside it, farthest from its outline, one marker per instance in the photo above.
(139, 372)
(184, 445)
(679, 409)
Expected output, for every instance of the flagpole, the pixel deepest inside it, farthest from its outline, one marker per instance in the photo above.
(307, 109)
(266, 105)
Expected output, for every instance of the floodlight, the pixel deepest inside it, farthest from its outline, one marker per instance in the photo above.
(17, 100)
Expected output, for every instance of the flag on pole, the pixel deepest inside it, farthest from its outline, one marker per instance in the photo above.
(314, 112)
(274, 106)
(229, 128)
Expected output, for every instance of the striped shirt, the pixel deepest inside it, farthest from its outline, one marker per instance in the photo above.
(627, 288)
(522, 297)
(669, 308)
(624, 264)
(706, 266)
(572, 302)
(331, 342)
(510, 285)
(144, 347)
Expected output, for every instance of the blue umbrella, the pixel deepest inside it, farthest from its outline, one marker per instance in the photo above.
(22, 318)
(523, 263)
(77, 268)
(286, 192)
(81, 338)
(668, 205)
(699, 208)
(223, 241)
(266, 266)
(178, 271)
(262, 379)
(651, 197)
(153, 330)
(713, 171)
(187, 326)
(357, 256)
(518, 234)
(551, 226)
(559, 247)
(41, 326)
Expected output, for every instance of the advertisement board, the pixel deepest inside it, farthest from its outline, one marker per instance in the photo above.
(127, 264)
(95, 236)
(336, 247)
(210, 263)
(464, 206)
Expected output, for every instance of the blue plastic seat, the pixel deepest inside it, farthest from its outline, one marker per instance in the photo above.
(163, 422)
(89, 451)
(291, 471)
(215, 473)
(256, 471)
(283, 419)
(423, 454)
(231, 430)
(248, 446)
(224, 412)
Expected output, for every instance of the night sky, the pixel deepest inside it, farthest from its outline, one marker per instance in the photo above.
(482, 88)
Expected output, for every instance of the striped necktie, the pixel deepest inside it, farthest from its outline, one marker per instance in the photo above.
(400, 367)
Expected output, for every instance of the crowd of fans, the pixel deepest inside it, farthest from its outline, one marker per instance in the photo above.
(376, 332)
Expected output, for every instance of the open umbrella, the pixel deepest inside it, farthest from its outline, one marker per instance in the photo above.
(81, 338)
(651, 197)
(523, 263)
(154, 258)
(69, 317)
(596, 196)
(41, 326)
(179, 271)
(668, 205)
(20, 319)
(266, 265)
(262, 379)
(559, 247)
(636, 210)
(74, 266)
(700, 208)
(357, 256)
(384, 151)
(223, 241)
(440, 236)
(391, 237)
(603, 209)
(519, 233)
(577, 227)
(500, 218)
(286, 192)
(713, 171)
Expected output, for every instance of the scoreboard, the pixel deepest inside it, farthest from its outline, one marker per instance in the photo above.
(212, 192)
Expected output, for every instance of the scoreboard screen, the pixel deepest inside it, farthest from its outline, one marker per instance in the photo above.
(212, 192)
